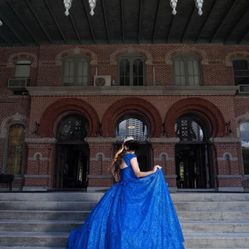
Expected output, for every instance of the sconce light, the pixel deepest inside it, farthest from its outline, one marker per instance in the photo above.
(228, 127)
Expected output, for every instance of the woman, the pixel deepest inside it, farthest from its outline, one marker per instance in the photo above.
(135, 213)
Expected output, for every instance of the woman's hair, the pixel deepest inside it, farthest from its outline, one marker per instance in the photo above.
(130, 145)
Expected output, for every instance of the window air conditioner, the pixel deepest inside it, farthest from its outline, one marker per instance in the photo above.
(18, 83)
(102, 80)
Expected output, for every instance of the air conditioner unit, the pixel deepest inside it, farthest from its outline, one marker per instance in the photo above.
(102, 80)
(18, 83)
(244, 89)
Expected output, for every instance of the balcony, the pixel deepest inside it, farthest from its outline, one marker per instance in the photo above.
(152, 90)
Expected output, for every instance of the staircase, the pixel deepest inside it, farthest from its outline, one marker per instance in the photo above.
(43, 220)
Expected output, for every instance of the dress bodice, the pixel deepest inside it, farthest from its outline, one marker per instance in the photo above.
(127, 173)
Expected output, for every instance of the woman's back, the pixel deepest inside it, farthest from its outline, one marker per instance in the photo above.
(126, 171)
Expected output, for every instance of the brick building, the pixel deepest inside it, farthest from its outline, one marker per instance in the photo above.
(73, 87)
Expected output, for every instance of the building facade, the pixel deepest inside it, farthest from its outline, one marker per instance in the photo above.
(65, 109)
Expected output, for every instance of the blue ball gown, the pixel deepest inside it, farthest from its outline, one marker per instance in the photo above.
(135, 213)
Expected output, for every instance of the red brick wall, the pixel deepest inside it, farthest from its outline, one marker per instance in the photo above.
(46, 71)
(215, 70)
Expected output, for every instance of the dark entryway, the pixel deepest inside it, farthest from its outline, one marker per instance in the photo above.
(72, 153)
(194, 164)
(72, 162)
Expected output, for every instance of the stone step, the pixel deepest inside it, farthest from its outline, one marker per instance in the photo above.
(210, 206)
(38, 226)
(87, 205)
(208, 197)
(66, 226)
(215, 215)
(36, 239)
(95, 196)
(215, 227)
(226, 216)
(209, 220)
(196, 240)
(217, 240)
(43, 215)
(52, 196)
(47, 205)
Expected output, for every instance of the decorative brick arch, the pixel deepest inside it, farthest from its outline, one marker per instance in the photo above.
(17, 118)
(203, 109)
(131, 50)
(187, 51)
(55, 110)
(131, 106)
(22, 56)
(235, 55)
(93, 59)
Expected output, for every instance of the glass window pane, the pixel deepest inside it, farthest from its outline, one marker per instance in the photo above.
(72, 128)
(179, 72)
(22, 69)
(131, 127)
(190, 67)
(244, 136)
(193, 72)
(240, 65)
(241, 72)
(15, 149)
(138, 72)
(75, 71)
(82, 72)
(124, 72)
(68, 72)
(186, 71)
(187, 129)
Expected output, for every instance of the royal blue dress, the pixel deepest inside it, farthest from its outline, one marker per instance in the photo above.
(135, 213)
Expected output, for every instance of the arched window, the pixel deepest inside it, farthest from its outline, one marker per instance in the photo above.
(72, 128)
(244, 136)
(241, 71)
(190, 129)
(131, 126)
(186, 71)
(15, 149)
(75, 71)
(131, 71)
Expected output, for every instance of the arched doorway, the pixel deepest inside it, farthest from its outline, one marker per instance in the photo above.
(194, 165)
(135, 126)
(72, 157)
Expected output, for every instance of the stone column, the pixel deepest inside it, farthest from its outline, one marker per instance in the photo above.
(229, 164)
(164, 155)
(39, 170)
(101, 154)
